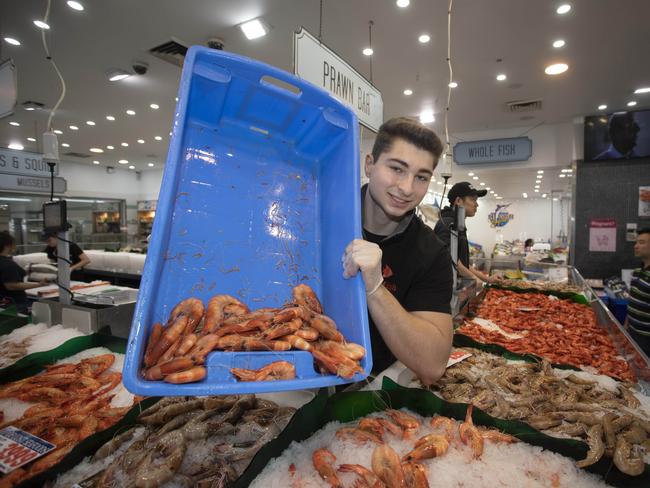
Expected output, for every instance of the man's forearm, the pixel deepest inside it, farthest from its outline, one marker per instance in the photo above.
(465, 272)
(422, 345)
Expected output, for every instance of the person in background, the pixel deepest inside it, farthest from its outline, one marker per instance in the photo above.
(78, 258)
(462, 194)
(638, 308)
(405, 268)
(528, 245)
(12, 286)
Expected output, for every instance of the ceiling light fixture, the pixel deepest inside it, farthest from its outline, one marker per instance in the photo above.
(123, 161)
(75, 5)
(475, 177)
(453, 84)
(368, 51)
(638, 91)
(631, 103)
(65, 144)
(424, 38)
(154, 106)
(97, 150)
(15, 124)
(403, 3)
(110, 147)
(95, 162)
(140, 141)
(501, 77)
(73, 127)
(125, 144)
(90, 122)
(253, 29)
(31, 139)
(563, 9)
(525, 195)
(537, 187)
(117, 74)
(536, 190)
(151, 165)
(12, 41)
(540, 172)
(602, 107)
(427, 117)
(470, 174)
(131, 167)
(544, 195)
(158, 138)
(17, 146)
(488, 188)
(408, 92)
(556, 69)
(57, 131)
(110, 117)
(559, 43)
(130, 112)
(562, 175)
(482, 184)
(41, 24)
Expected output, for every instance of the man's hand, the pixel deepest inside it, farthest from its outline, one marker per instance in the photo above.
(363, 256)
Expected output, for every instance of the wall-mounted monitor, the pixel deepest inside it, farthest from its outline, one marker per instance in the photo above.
(621, 135)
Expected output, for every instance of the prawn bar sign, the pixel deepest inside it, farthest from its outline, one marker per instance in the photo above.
(493, 151)
(316, 63)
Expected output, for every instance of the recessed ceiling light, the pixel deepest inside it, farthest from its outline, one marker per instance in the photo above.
(151, 165)
(562, 175)
(556, 69)
(110, 147)
(110, 117)
(427, 117)
(73, 127)
(631, 103)
(537, 186)
(65, 144)
(12, 41)
(496, 194)
(253, 29)
(17, 146)
(540, 172)
(229, 155)
(158, 138)
(475, 177)
(57, 131)
(563, 9)
(41, 24)
(424, 38)
(453, 84)
(140, 141)
(90, 122)
(408, 92)
(154, 106)
(482, 184)
(117, 74)
(501, 77)
(525, 195)
(123, 161)
(75, 5)
(130, 112)
(95, 162)
(499, 198)
(570, 170)
(368, 51)
(29, 109)
(544, 195)
(131, 167)
(602, 107)
(559, 43)
(125, 144)
(555, 199)
(15, 124)
(536, 190)
(470, 174)
(638, 91)
(31, 139)
(96, 150)
(403, 3)
(488, 188)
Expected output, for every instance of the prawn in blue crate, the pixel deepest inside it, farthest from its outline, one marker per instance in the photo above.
(177, 351)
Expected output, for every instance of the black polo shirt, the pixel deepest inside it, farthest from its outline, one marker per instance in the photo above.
(443, 231)
(10, 272)
(75, 252)
(417, 270)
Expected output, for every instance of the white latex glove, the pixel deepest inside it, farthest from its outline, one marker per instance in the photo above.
(363, 256)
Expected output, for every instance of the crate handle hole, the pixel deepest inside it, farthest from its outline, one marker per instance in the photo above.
(283, 85)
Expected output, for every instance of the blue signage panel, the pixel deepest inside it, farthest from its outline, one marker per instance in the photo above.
(493, 151)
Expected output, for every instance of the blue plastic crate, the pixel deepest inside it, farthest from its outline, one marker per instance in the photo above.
(261, 191)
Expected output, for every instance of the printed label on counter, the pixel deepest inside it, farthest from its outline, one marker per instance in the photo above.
(18, 447)
(457, 356)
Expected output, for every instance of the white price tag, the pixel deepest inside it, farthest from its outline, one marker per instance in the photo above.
(457, 356)
(18, 447)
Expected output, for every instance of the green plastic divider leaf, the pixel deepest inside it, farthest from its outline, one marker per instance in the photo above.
(10, 320)
(576, 297)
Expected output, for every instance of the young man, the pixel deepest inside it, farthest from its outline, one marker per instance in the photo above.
(405, 268)
(462, 194)
(638, 309)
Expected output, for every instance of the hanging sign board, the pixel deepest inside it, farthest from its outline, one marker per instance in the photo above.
(24, 163)
(602, 235)
(316, 63)
(31, 184)
(493, 151)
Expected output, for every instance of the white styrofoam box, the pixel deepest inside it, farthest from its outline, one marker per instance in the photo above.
(116, 261)
(136, 263)
(96, 259)
(23, 260)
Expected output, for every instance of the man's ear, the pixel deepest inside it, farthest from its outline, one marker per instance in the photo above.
(370, 162)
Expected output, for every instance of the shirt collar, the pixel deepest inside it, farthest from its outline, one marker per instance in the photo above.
(401, 227)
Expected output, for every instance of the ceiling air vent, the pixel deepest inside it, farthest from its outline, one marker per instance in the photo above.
(524, 105)
(171, 51)
(77, 154)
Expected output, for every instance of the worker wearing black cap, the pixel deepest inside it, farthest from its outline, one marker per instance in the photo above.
(78, 259)
(462, 194)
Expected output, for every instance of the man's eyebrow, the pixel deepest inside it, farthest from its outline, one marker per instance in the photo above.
(406, 165)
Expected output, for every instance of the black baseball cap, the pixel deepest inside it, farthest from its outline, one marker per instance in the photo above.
(464, 189)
